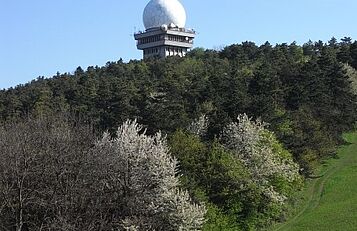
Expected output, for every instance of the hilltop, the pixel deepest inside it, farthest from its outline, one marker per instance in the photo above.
(306, 96)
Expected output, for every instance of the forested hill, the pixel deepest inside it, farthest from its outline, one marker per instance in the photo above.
(303, 92)
(211, 104)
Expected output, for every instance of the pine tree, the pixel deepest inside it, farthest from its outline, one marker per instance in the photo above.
(353, 52)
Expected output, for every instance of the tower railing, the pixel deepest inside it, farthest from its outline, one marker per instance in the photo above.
(191, 31)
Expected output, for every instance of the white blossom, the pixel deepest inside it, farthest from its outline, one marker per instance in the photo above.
(199, 126)
(148, 177)
(251, 143)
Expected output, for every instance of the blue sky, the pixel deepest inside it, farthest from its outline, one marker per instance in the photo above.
(41, 37)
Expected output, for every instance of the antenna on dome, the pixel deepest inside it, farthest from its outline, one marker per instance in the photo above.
(134, 32)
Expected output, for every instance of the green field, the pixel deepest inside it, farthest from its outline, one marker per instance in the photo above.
(331, 200)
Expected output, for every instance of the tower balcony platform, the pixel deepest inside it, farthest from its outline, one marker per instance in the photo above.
(165, 41)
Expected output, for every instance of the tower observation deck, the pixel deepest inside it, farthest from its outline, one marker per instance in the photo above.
(165, 33)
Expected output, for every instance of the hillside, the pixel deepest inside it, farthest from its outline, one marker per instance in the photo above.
(247, 125)
(303, 92)
(332, 199)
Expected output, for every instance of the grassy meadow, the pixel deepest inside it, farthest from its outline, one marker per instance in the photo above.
(331, 200)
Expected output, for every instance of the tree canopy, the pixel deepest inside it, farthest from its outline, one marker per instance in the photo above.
(211, 105)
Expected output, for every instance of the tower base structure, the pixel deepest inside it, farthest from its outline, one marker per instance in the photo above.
(165, 41)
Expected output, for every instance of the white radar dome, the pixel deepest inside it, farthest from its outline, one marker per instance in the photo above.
(164, 12)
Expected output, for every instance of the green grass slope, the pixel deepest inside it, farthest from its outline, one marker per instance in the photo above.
(331, 200)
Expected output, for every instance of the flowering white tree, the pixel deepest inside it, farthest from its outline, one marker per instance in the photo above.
(144, 176)
(199, 126)
(255, 147)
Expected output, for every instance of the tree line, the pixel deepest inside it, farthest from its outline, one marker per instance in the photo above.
(245, 124)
